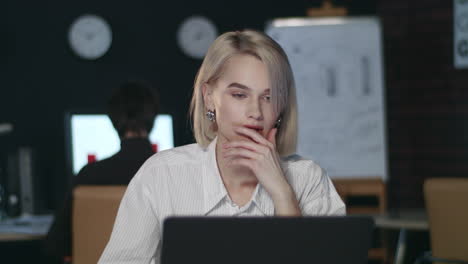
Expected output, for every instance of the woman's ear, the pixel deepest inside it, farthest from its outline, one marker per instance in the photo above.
(207, 91)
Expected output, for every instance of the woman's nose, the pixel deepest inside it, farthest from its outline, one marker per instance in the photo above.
(255, 110)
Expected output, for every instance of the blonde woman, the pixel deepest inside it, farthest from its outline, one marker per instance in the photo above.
(245, 122)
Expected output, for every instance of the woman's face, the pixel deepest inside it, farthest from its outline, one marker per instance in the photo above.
(241, 98)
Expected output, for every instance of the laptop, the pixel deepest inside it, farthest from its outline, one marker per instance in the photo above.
(244, 240)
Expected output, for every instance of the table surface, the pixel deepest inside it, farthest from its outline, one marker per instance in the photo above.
(411, 219)
(25, 227)
(37, 226)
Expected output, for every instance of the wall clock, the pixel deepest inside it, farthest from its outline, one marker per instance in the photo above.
(90, 37)
(195, 35)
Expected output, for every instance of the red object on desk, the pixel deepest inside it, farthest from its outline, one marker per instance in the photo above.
(67, 260)
(91, 158)
(155, 147)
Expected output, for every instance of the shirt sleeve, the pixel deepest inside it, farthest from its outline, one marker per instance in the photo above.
(320, 196)
(136, 233)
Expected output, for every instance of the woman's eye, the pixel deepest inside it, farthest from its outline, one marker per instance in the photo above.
(238, 95)
(267, 97)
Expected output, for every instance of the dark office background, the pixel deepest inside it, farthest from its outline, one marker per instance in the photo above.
(41, 78)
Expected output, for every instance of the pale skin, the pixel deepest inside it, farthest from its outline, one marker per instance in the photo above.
(246, 147)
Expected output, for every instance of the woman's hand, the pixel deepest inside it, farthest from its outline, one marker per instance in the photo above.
(260, 156)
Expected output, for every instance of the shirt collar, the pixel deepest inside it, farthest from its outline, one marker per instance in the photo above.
(214, 190)
(213, 187)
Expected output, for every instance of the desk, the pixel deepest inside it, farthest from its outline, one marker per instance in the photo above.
(25, 228)
(402, 220)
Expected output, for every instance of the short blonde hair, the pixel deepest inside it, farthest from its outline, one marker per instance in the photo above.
(283, 94)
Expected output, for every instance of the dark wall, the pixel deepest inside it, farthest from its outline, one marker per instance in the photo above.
(427, 98)
(42, 78)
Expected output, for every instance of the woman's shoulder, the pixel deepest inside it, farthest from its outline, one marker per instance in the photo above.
(297, 162)
(190, 153)
(172, 164)
(303, 174)
(300, 171)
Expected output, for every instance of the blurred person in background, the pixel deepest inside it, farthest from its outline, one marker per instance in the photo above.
(132, 109)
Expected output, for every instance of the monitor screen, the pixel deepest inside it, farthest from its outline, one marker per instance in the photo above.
(92, 135)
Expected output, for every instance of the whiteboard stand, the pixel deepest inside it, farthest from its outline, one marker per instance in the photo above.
(327, 9)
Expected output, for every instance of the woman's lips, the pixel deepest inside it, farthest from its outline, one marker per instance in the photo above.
(259, 129)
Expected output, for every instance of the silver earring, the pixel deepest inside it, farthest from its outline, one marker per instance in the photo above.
(278, 123)
(211, 115)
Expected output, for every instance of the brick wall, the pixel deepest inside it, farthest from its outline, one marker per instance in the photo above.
(427, 98)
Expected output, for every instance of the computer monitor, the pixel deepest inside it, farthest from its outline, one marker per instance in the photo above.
(92, 135)
(272, 240)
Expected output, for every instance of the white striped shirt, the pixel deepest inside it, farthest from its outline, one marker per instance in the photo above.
(185, 181)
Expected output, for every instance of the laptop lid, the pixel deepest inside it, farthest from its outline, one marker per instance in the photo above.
(210, 240)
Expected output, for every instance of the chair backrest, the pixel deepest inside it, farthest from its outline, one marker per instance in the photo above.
(369, 188)
(365, 187)
(447, 209)
(94, 211)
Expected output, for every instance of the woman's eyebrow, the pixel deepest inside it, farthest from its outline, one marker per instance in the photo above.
(238, 85)
(245, 87)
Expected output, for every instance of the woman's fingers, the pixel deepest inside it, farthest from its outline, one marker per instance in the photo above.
(246, 145)
(255, 136)
(240, 152)
(242, 162)
(272, 136)
(240, 156)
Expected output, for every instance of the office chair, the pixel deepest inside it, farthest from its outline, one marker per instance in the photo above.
(367, 187)
(447, 209)
(94, 211)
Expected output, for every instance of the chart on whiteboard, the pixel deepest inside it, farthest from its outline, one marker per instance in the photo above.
(337, 67)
